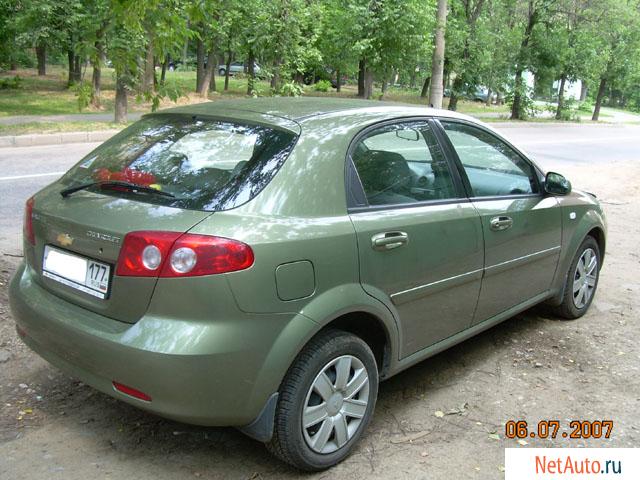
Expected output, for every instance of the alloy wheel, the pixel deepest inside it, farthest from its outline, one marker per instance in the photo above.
(584, 280)
(335, 404)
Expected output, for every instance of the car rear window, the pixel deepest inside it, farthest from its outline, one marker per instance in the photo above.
(205, 164)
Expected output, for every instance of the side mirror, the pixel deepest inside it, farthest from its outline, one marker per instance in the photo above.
(556, 184)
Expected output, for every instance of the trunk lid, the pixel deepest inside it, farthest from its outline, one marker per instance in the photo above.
(93, 225)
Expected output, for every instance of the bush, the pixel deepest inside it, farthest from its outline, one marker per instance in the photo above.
(291, 89)
(586, 106)
(322, 86)
(83, 92)
(528, 106)
(14, 83)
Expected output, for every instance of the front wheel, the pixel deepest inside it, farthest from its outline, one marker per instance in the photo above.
(582, 281)
(326, 401)
(222, 72)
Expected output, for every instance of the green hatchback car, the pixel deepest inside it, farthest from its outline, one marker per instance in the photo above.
(264, 263)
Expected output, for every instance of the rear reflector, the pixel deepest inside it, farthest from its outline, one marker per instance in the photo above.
(174, 254)
(28, 222)
(132, 392)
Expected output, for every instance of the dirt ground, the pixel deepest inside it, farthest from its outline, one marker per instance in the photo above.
(531, 367)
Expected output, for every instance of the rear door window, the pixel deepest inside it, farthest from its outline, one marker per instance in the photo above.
(402, 163)
(204, 164)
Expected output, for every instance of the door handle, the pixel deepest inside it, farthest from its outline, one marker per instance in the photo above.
(501, 223)
(389, 240)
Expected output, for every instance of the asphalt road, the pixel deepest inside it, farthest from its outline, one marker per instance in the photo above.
(25, 170)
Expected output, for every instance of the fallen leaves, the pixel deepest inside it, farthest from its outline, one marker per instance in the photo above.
(461, 410)
(412, 437)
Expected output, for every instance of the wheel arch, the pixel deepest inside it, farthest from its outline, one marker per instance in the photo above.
(598, 234)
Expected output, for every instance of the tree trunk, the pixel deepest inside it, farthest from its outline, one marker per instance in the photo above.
(199, 63)
(362, 65)
(601, 90)
(251, 72)
(437, 65)
(96, 77)
(384, 85)
(458, 85)
(516, 107)
(488, 100)
(425, 88)
(368, 83)
(583, 90)
(70, 58)
(212, 85)
(121, 100)
(41, 54)
(338, 80)
(148, 83)
(185, 49)
(227, 73)
(163, 72)
(77, 70)
(203, 90)
(414, 74)
(499, 98)
(563, 80)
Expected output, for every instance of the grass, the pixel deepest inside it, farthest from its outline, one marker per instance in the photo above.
(49, 95)
(57, 127)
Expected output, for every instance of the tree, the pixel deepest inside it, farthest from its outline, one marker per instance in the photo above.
(436, 90)
(534, 12)
(39, 24)
(620, 46)
(465, 61)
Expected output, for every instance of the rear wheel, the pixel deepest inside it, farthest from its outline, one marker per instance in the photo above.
(326, 401)
(582, 281)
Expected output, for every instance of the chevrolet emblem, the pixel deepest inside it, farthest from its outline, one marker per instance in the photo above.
(65, 239)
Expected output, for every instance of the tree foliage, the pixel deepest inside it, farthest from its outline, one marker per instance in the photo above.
(490, 44)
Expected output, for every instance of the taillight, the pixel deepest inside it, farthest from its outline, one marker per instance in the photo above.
(143, 252)
(172, 254)
(29, 235)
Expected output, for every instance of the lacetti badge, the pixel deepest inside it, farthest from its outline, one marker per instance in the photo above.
(104, 237)
(64, 239)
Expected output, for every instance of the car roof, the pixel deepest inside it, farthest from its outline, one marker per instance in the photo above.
(298, 109)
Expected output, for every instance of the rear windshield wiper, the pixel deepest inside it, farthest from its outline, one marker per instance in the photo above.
(113, 184)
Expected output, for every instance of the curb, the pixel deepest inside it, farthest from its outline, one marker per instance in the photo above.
(55, 138)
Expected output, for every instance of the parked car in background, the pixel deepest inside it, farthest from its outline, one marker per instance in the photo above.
(480, 94)
(236, 67)
(264, 263)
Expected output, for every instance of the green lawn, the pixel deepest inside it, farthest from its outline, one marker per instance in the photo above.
(57, 127)
(49, 95)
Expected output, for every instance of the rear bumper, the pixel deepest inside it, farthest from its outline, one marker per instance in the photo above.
(218, 372)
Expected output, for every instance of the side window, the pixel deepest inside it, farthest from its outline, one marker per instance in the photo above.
(492, 167)
(402, 163)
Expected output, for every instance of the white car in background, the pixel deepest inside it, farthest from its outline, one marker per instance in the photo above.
(236, 67)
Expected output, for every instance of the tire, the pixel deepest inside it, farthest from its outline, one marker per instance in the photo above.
(573, 305)
(222, 72)
(311, 448)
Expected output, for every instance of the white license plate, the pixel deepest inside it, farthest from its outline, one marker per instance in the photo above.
(77, 272)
